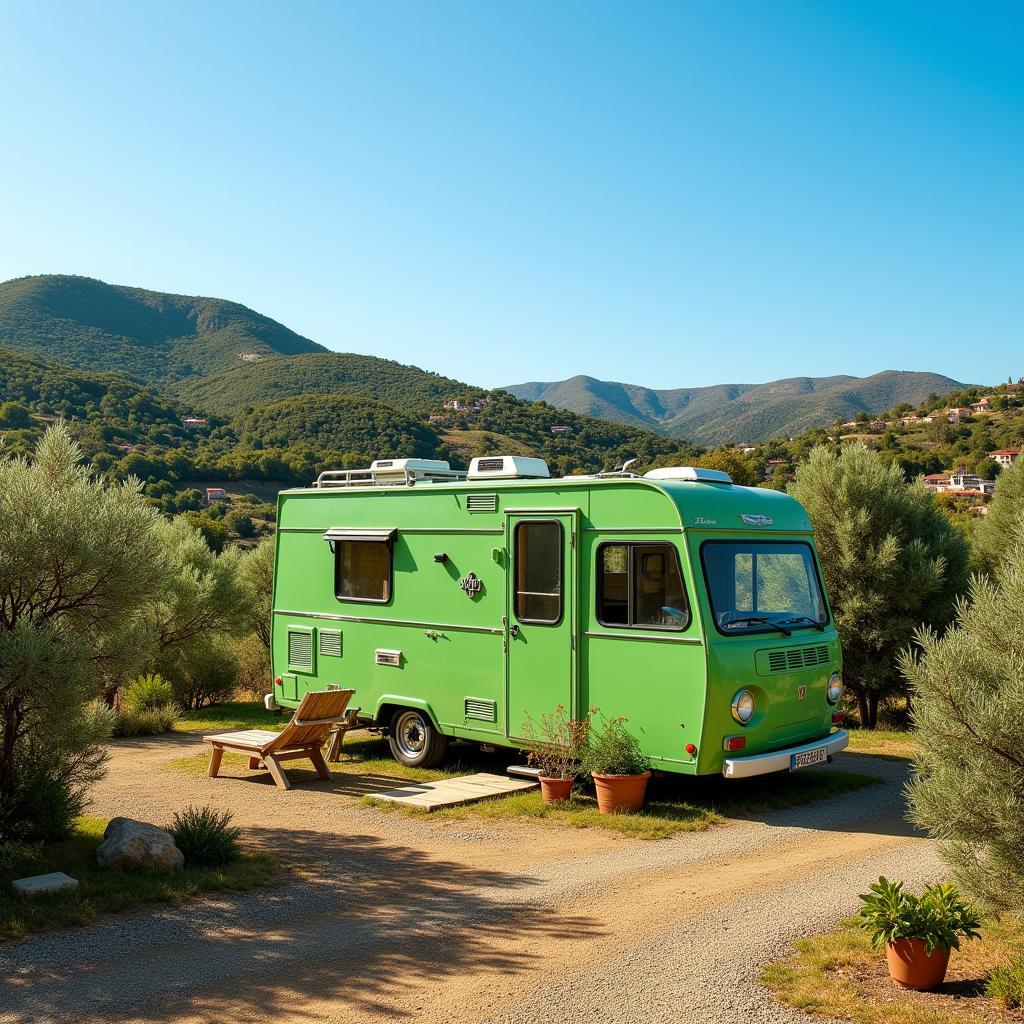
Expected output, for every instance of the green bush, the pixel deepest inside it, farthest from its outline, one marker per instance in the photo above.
(611, 749)
(1006, 984)
(147, 721)
(206, 837)
(147, 693)
(938, 916)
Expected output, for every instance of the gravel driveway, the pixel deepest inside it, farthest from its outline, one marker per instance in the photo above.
(387, 916)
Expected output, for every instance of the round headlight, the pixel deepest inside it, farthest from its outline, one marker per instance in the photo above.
(835, 688)
(743, 706)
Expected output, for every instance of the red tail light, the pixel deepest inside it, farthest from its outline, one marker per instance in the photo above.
(837, 718)
(691, 749)
(734, 742)
(278, 682)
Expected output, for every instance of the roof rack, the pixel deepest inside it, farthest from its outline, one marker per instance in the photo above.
(391, 473)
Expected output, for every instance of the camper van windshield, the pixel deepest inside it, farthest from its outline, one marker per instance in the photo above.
(762, 586)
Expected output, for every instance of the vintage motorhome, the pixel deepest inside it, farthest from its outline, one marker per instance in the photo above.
(460, 604)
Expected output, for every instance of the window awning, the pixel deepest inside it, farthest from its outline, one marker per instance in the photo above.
(350, 533)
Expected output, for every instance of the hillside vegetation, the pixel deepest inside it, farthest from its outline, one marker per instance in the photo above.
(739, 412)
(154, 336)
(325, 373)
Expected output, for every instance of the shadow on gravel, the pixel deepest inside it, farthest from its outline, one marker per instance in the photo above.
(848, 796)
(364, 923)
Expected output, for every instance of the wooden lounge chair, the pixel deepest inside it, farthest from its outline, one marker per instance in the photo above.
(302, 737)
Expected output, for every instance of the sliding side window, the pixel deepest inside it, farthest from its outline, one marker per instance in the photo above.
(640, 586)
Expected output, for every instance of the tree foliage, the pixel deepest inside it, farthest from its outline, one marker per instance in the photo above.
(79, 563)
(968, 688)
(891, 561)
(993, 532)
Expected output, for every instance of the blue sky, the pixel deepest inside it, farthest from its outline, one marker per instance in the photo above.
(672, 194)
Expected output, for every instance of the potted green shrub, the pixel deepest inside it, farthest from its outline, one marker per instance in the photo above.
(918, 932)
(555, 747)
(619, 768)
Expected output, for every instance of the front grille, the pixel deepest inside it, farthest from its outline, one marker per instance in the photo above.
(791, 659)
(481, 710)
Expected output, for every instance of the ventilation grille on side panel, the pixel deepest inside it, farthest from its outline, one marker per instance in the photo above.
(481, 710)
(793, 658)
(482, 503)
(300, 649)
(330, 643)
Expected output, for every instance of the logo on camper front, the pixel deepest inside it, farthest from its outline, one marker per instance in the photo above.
(755, 519)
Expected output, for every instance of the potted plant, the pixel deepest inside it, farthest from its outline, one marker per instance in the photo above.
(556, 744)
(917, 932)
(619, 768)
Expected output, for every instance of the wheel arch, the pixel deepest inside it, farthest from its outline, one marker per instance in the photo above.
(389, 703)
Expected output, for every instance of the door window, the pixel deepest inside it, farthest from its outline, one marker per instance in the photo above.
(538, 587)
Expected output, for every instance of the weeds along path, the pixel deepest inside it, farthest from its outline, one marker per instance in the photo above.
(391, 917)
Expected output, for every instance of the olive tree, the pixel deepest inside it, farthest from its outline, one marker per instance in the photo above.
(891, 561)
(79, 562)
(968, 687)
(993, 531)
(202, 605)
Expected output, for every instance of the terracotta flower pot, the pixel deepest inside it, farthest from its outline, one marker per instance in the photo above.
(620, 792)
(554, 790)
(910, 966)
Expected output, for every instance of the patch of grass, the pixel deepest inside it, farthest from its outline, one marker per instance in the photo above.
(898, 746)
(839, 976)
(674, 805)
(103, 891)
(230, 716)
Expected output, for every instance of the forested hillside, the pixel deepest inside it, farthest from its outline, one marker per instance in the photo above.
(326, 373)
(154, 336)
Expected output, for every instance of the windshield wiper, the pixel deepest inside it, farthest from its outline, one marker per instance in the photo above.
(806, 618)
(760, 620)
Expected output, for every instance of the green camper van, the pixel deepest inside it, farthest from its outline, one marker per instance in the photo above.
(458, 604)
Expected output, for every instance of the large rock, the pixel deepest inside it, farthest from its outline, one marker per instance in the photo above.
(130, 845)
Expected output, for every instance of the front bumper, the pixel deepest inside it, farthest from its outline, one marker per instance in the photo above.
(778, 760)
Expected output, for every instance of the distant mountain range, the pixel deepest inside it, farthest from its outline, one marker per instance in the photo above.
(738, 412)
(223, 357)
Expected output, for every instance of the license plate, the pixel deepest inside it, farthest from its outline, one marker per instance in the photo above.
(805, 758)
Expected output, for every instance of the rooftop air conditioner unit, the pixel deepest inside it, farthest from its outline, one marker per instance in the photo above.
(507, 467)
(420, 469)
(694, 473)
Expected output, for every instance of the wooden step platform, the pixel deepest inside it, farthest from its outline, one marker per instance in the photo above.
(430, 796)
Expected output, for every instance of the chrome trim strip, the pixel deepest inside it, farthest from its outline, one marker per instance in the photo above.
(388, 622)
(633, 529)
(419, 529)
(664, 638)
(778, 760)
(550, 511)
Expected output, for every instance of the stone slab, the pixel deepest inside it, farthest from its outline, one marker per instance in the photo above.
(429, 796)
(37, 884)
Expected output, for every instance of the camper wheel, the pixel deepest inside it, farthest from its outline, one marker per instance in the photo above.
(414, 739)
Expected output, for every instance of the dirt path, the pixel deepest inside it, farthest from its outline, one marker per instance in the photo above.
(450, 921)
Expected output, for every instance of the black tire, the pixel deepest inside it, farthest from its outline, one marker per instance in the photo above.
(414, 739)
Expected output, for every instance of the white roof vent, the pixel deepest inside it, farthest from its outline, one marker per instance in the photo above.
(384, 468)
(695, 473)
(507, 467)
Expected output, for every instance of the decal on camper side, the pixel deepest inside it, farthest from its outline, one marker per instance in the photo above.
(755, 519)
